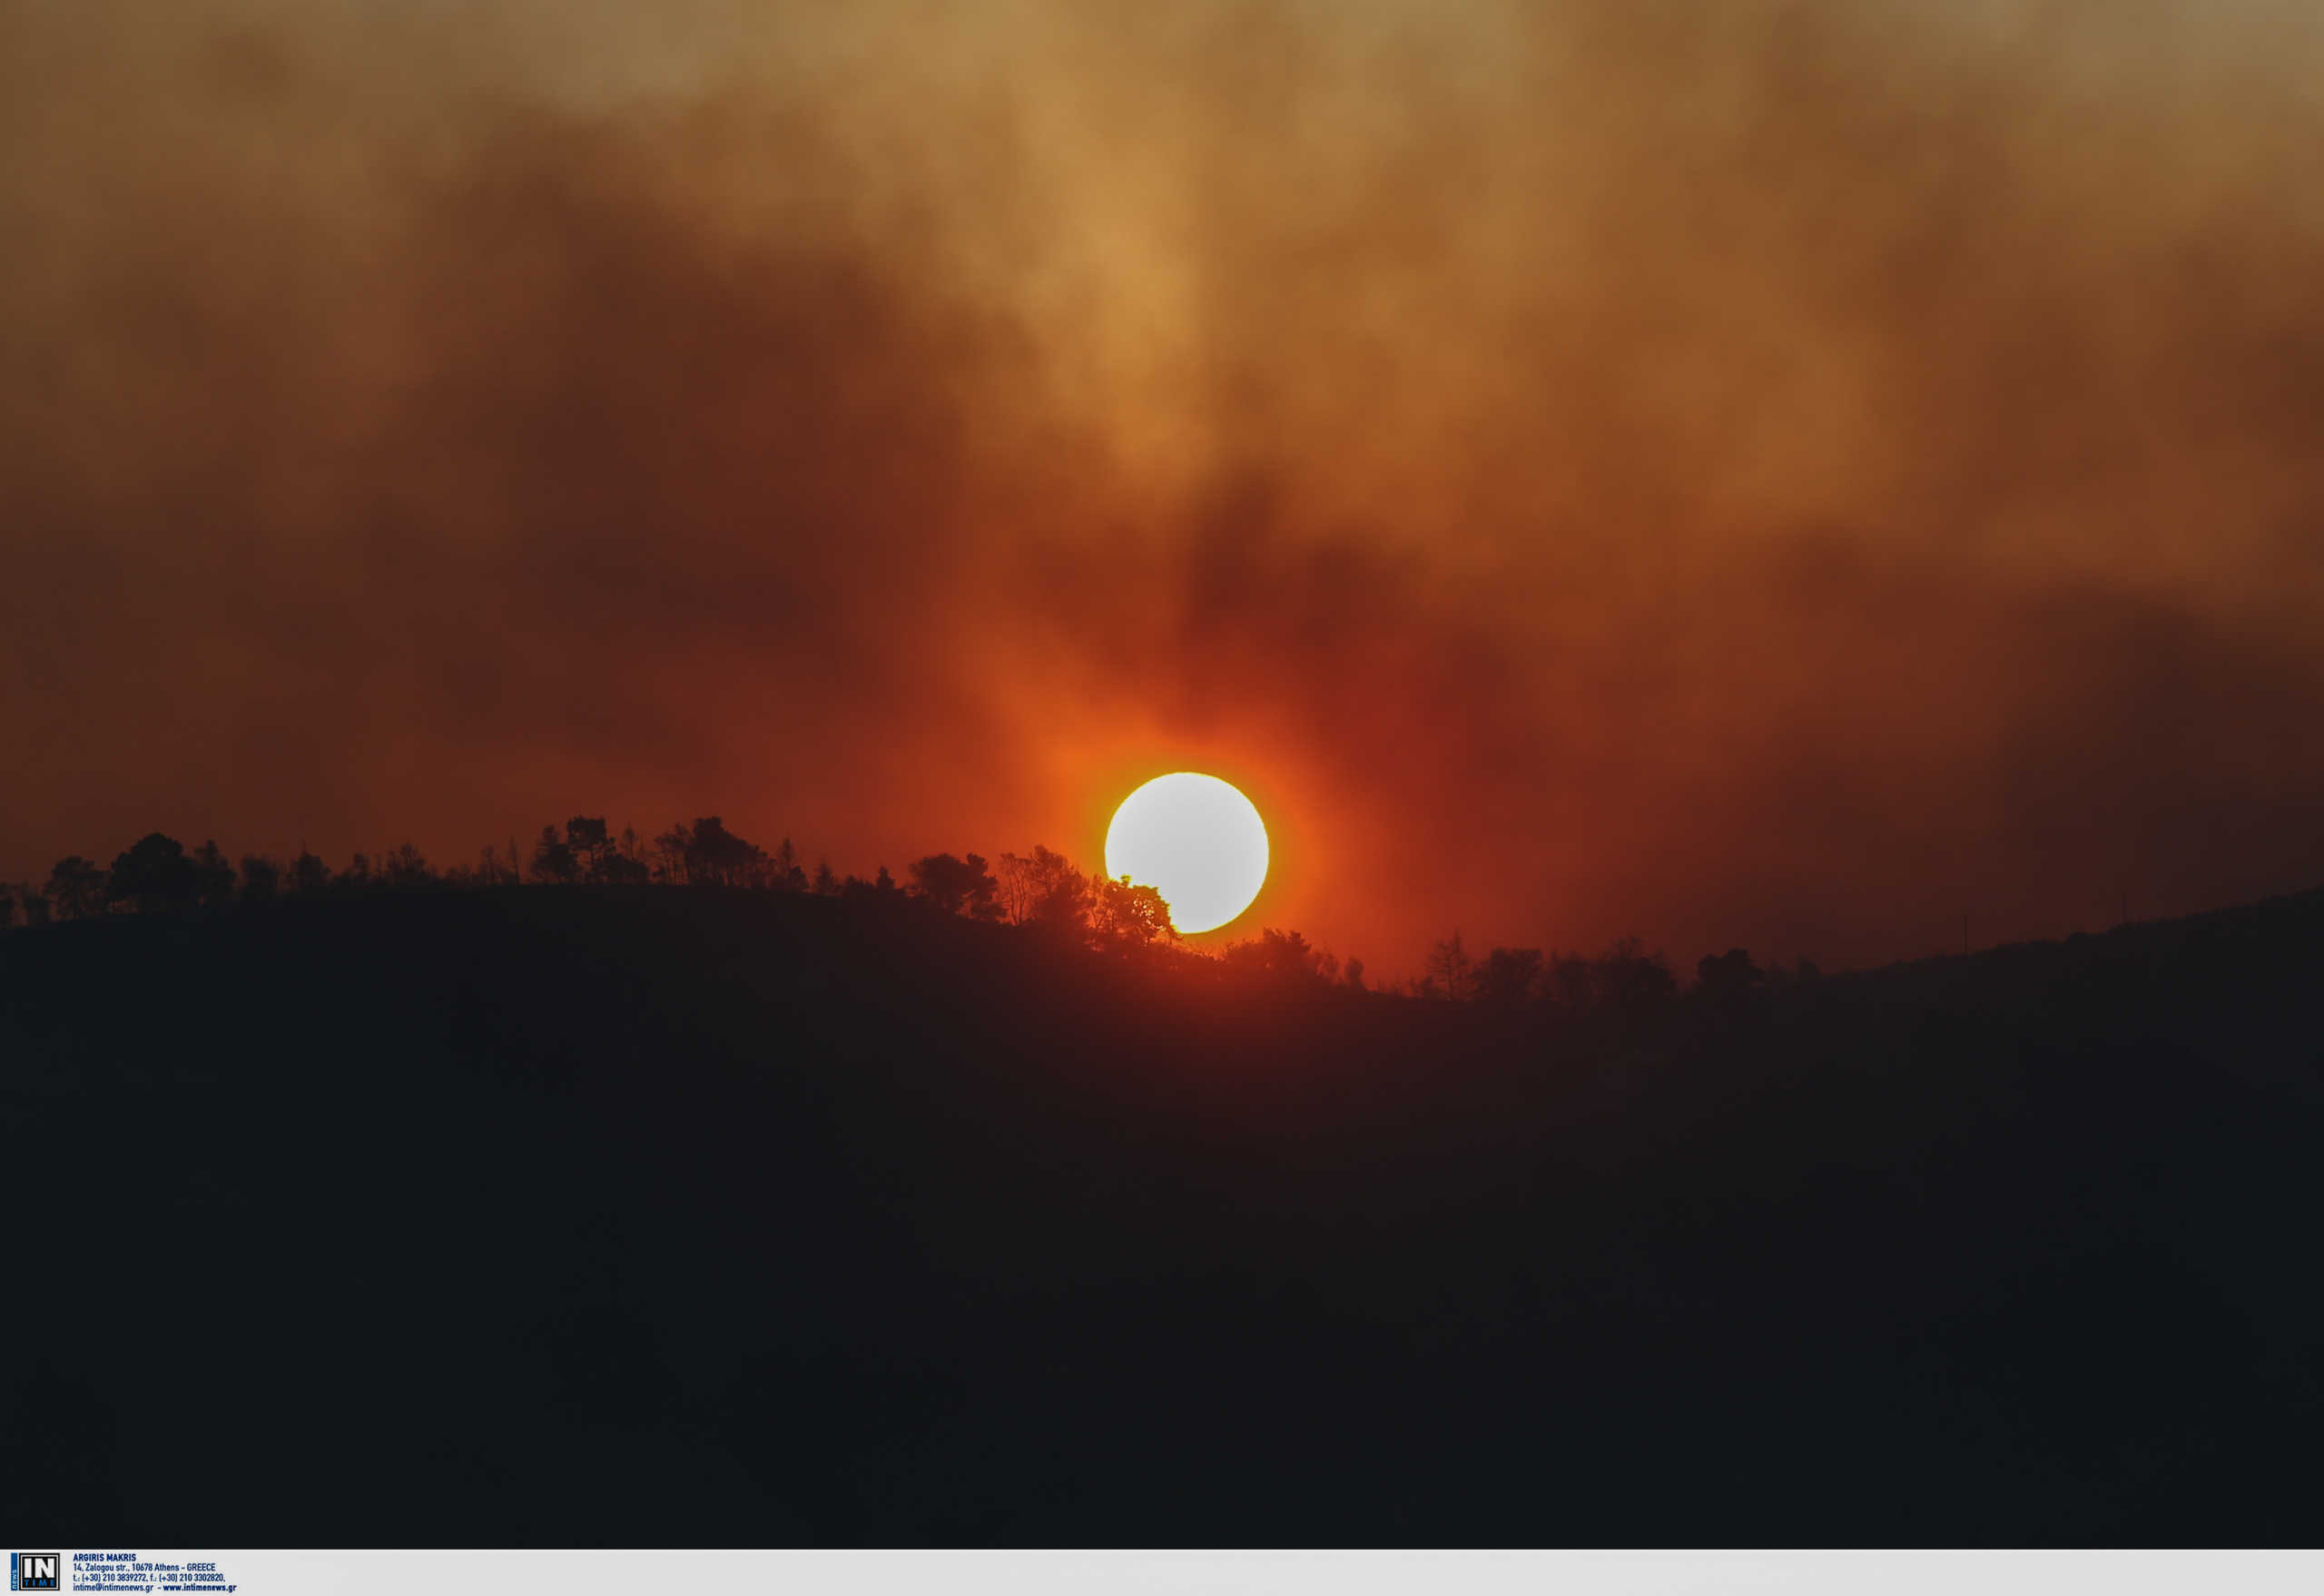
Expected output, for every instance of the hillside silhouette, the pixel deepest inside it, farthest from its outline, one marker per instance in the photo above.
(624, 1214)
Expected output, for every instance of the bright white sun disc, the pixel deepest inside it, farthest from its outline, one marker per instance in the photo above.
(1195, 839)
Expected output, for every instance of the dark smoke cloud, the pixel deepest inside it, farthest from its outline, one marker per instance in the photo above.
(1786, 474)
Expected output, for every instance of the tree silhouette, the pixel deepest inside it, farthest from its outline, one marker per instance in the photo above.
(405, 868)
(1450, 967)
(707, 854)
(8, 906)
(553, 859)
(955, 886)
(588, 851)
(1123, 917)
(1631, 980)
(668, 855)
(1279, 956)
(155, 873)
(783, 871)
(261, 879)
(1015, 890)
(588, 842)
(1726, 975)
(1508, 976)
(1571, 982)
(213, 877)
(307, 873)
(621, 867)
(1042, 888)
(76, 887)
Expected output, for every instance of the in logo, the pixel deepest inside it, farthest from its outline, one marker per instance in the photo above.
(32, 1571)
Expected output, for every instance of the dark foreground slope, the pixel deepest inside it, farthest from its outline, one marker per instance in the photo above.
(658, 1218)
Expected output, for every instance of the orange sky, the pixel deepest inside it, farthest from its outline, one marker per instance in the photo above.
(1780, 474)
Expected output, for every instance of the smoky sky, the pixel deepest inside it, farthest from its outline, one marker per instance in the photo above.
(1794, 475)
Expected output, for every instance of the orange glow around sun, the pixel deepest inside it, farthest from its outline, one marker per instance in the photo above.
(1197, 842)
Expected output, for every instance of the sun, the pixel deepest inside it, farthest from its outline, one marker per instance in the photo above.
(1195, 839)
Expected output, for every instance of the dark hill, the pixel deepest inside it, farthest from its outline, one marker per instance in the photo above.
(583, 1216)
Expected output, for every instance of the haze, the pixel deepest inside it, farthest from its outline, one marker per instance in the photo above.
(1794, 475)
